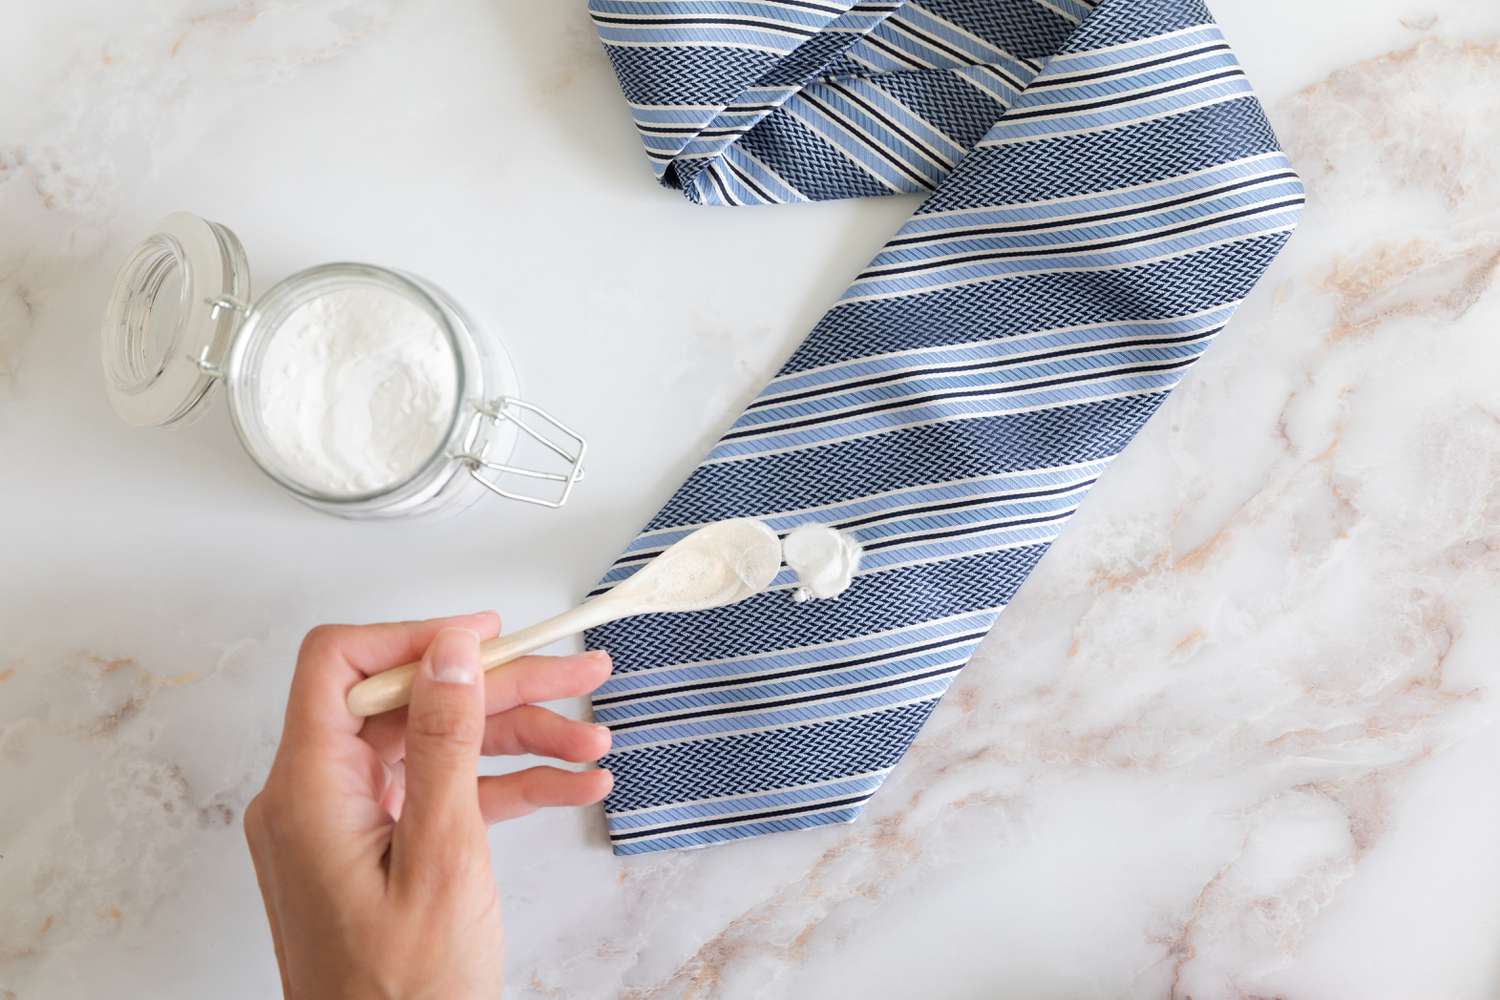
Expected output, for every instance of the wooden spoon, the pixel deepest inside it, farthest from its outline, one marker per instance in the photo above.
(716, 565)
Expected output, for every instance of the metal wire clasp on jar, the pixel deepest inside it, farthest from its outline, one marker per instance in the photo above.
(513, 411)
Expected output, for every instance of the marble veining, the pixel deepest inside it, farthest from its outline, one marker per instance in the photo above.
(1236, 738)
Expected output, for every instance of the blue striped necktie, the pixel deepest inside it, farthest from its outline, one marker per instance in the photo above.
(1105, 191)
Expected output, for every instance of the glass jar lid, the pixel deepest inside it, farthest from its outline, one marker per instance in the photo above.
(172, 314)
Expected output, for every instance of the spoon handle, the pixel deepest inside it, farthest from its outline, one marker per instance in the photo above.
(392, 688)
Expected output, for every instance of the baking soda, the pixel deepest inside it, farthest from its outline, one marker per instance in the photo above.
(357, 393)
(823, 558)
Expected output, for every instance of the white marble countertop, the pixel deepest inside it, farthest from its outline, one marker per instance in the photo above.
(1237, 737)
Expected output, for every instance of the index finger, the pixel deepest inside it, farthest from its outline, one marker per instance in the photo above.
(524, 681)
(334, 658)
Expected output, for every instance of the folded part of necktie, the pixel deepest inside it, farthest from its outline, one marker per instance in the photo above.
(1105, 191)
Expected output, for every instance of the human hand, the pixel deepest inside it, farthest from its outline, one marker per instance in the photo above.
(369, 836)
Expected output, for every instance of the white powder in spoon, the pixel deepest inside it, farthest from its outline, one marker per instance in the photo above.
(357, 391)
(718, 564)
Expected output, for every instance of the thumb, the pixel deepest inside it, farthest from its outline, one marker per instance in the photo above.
(440, 820)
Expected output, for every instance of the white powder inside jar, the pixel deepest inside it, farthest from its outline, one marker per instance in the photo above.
(357, 390)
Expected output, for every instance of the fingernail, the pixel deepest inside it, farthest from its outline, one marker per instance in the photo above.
(602, 729)
(453, 659)
(599, 655)
(453, 673)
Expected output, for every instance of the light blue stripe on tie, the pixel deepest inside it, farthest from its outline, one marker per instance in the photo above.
(1150, 249)
(718, 835)
(624, 741)
(685, 116)
(707, 147)
(994, 539)
(856, 147)
(982, 78)
(1061, 238)
(1064, 121)
(800, 795)
(920, 128)
(976, 49)
(1207, 64)
(920, 384)
(765, 39)
(951, 409)
(1073, 63)
(764, 179)
(805, 16)
(962, 545)
(879, 61)
(878, 643)
(996, 516)
(1000, 347)
(1063, 207)
(655, 541)
(917, 158)
(827, 683)
(1073, 10)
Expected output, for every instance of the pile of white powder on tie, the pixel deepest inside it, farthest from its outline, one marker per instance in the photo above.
(357, 391)
(824, 559)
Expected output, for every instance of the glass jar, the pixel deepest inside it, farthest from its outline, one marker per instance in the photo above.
(180, 319)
